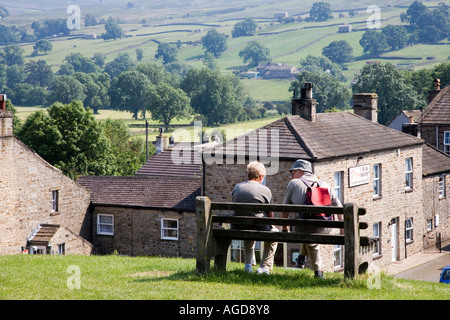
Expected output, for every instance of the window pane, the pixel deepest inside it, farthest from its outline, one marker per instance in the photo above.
(105, 219)
(447, 137)
(408, 164)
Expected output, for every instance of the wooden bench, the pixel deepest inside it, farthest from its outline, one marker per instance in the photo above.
(213, 240)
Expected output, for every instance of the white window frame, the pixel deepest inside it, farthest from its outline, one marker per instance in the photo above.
(441, 186)
(339, 185)
(377, 180)
(338, 256)
(409, 230)
(55, 200)
(62, 249)
(429, 224)
(447, 142)
(377, 234)
(409, 173)
(165, 229)
(100, 224)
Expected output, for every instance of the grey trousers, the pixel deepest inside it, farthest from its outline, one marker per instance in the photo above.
(268, 252)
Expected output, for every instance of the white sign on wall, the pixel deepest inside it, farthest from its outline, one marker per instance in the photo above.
(359, 175)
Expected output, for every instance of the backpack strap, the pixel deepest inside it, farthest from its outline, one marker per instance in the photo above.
(309, 185)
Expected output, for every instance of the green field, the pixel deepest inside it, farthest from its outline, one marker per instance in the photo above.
(45, 277)
(182, 130)
(176, 20)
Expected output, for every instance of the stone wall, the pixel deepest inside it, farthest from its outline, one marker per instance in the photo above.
(26, 185)
(137, 232)
(74, 244)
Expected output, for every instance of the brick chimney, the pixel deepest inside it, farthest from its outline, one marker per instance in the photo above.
(433, 93)
(161, 142)
(6, 119)
(305, 107)
(365, 105)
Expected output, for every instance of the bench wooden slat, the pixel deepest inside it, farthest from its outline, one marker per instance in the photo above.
(279, 208)
(278, 236)
(283, 222)
(285, 237)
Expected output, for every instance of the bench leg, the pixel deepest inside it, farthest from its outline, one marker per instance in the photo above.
(220, 258)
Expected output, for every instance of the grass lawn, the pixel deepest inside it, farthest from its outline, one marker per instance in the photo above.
(43, 277)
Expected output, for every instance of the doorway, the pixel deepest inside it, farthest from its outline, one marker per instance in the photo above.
(394, 238)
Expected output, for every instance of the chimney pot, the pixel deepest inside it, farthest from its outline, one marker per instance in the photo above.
(433, 93)
(3, 101)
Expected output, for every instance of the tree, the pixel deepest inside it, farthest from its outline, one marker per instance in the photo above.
(13, 54)
(214, 42)
(328, 91)
(9, 35)
(95, 89)
(320, 11)
(167, 52)
(38, 73)
(374, 43)
(217, 97)
(247, 27)
(50, 27)
(396, 36)
(113, 30)
(43, 45)
(322, 65)
(209, 61)
(156, 73)
(65, 89)
(256, 53)
(129, 152)
(394, 91)
(166, 103)
(338, 51)
(120, 64)
(128, 92)
(414, 11)
(81, 63)
(70, 138)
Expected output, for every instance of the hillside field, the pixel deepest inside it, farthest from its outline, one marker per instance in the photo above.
(146, 24)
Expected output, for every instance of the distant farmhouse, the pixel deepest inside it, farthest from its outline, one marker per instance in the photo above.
(276, 71)
(345, 28)
(280, 15)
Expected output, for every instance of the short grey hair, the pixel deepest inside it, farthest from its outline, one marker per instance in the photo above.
(255, 170)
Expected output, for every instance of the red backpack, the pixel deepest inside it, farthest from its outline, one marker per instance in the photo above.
(317, 196)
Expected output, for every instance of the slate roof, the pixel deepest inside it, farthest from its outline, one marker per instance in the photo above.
(332, 135)
(438, 111)
(143, 191)
(44, 234)
(434, 161)
(162, 164)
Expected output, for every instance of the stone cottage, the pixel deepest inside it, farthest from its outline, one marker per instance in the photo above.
(151, 213)
(276, 71)
(35, 195)
(368, 164)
